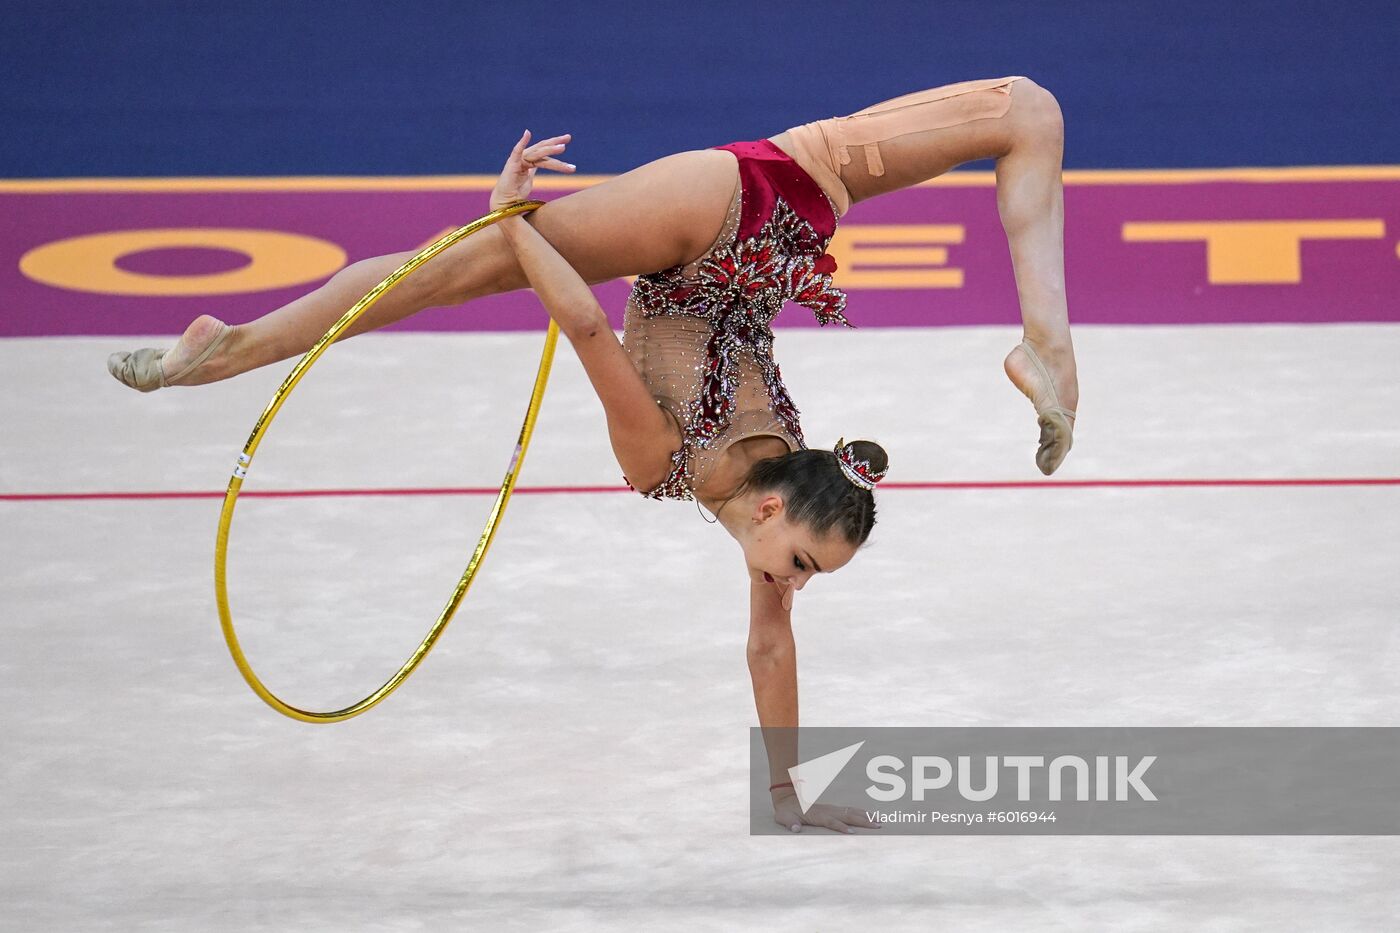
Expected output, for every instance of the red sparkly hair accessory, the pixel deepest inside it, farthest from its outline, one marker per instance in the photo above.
(858, 472)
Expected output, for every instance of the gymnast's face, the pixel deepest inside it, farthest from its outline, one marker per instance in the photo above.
(788, 554)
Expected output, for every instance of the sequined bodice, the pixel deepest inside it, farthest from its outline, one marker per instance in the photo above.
(701, 334)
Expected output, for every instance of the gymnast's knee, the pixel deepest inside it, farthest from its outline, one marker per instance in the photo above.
(1037, 108)
(482, 264)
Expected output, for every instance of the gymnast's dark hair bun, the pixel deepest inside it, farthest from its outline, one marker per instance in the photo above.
(817, 492)
(873, 454)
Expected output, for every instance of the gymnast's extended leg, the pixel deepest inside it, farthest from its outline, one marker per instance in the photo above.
(658, 215)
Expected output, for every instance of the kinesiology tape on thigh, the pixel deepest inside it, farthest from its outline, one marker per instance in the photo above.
(915, 113)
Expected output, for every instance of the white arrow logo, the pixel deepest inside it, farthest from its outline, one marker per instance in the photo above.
(811, 778)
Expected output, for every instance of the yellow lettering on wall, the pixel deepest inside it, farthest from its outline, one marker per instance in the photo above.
(1253, 252)
(89, 263)
(866, 255)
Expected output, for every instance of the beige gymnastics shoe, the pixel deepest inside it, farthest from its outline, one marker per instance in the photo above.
(1056, 421)
(144, 370)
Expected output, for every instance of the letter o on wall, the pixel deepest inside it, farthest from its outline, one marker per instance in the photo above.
(89, 263)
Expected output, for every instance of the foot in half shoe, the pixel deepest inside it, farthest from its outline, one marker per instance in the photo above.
(1029, 374)
(148, 369)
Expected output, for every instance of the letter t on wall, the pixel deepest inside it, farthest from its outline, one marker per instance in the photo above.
(1253, 252)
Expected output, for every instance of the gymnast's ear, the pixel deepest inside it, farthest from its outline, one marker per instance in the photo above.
(771, 505)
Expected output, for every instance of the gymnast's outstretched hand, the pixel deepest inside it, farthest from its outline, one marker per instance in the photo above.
(518, 177)
(787, 811)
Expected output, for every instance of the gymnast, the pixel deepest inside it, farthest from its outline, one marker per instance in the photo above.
(719, 240)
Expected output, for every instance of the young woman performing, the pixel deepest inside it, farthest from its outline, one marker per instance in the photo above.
(694, 402)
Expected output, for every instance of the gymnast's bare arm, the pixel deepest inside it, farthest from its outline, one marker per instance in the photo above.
(642, 436)
(560, 288)
(772, 653)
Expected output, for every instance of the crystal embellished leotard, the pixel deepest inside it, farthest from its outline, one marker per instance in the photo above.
(700, 334)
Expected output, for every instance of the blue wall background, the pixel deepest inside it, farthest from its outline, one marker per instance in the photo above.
(416, 87)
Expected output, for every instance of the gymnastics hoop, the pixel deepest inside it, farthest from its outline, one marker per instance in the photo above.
(507, 485)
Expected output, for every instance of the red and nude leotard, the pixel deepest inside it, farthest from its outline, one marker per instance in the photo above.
(701, 335)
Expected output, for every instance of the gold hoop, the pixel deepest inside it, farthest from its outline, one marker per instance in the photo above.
(489, 532)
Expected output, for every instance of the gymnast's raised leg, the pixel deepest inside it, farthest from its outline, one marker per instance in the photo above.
(902, 142)
(653, 217)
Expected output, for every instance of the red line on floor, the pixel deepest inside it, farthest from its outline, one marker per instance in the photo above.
(584, 490)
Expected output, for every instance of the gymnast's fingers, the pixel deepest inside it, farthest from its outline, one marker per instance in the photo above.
(856, 817)
(835, 824)
(537, 153)
(556, 165)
